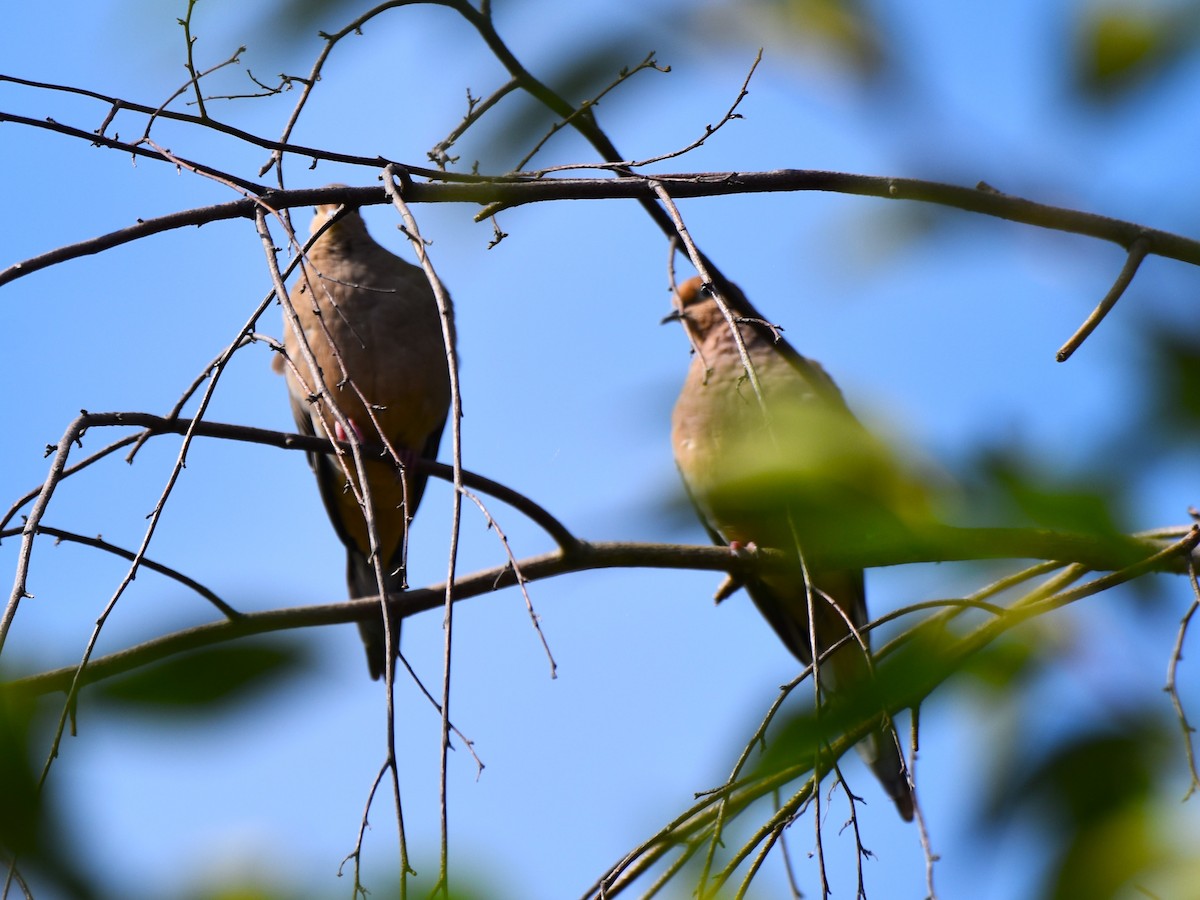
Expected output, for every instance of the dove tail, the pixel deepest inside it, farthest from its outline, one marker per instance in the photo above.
(360, 576)
(880, 752)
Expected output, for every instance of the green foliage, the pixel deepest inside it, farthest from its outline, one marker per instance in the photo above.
(1120, 46)
(1010, 487)
(31, 831)
(204, 682)
(1093, 799)
(1174, 390)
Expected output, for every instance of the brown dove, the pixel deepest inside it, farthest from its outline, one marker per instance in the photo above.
(755, 455)
(373, 325)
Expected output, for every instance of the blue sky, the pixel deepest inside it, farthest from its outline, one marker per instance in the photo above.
(940, 330)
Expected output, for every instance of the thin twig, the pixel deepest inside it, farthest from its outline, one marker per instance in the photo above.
(1137, 252)
(475, 110)
(68, 471)
(156, 425)
(100, 544)
(709, 131)
(585, 108)
(922, 828)
(390, 176)
(1172, 687)
(190, 41)
(861, 851)
(363, 825)
(515, 565)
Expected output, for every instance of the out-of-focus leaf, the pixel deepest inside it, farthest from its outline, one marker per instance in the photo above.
(843, 29)
(1093, 799)
(245, 892)
(1120, 46)
(1019, 490)
(1106, 856)
(30, 830)
(1005, 664)
(466, 884)
(817, 475)
(1094, 776)
(904, 678)
(206, 680)
(845, 26)
(1174, 391)
(19, 803)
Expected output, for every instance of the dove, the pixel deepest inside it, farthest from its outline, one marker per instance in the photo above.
(761, 456)
(373, 326)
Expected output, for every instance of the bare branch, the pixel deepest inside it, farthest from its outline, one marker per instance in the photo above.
(709, 131)
(447, 321)
(1172, 686)
(190, 43)
(475, 110)
(585, 108)
(1137, 252)
(101, 544)
(515, 191)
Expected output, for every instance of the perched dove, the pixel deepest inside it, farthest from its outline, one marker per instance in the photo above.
(754, 472)
(373, 326)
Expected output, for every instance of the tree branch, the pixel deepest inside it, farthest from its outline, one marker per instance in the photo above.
(505, 192)
(585, 555)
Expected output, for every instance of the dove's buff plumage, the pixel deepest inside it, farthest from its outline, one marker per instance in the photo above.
(372, 323)
(721, 440)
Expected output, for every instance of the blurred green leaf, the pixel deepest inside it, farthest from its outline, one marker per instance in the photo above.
(819, 476)
(1174, 390)
(1014, 488)
(1006, 664)
(903, 679)
(1105, 856)
(1094, 776)
(1092, 798)
(1120, 46)
(845, 30)
(844, 26)
(202, 681)
(245, 892)
(20, 807)
(30, 828)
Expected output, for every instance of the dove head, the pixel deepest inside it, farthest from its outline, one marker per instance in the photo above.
(350, 222)
(697, 307)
